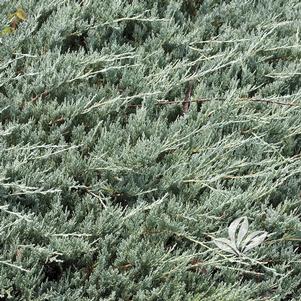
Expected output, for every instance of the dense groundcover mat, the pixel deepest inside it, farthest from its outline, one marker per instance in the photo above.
(133, 134)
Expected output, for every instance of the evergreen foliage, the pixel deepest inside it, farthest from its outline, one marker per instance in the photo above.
(132, 132)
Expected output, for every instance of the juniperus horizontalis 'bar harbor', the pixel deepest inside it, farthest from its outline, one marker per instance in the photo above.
(134, 133)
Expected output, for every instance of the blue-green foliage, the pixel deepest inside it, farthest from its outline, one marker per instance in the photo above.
(111, 188)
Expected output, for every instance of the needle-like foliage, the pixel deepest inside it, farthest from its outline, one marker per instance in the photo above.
(133, 133)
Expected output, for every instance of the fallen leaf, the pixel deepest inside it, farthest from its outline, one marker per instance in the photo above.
(226, 245)
(20, 14)
(242, 231)
(14, 19)
(6, 30)
(256, 241)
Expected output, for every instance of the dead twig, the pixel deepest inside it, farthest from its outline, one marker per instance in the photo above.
(186, 103)
(42, 95)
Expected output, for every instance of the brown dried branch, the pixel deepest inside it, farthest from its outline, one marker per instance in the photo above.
(42, 95)
(203, 100)
(186, 102)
